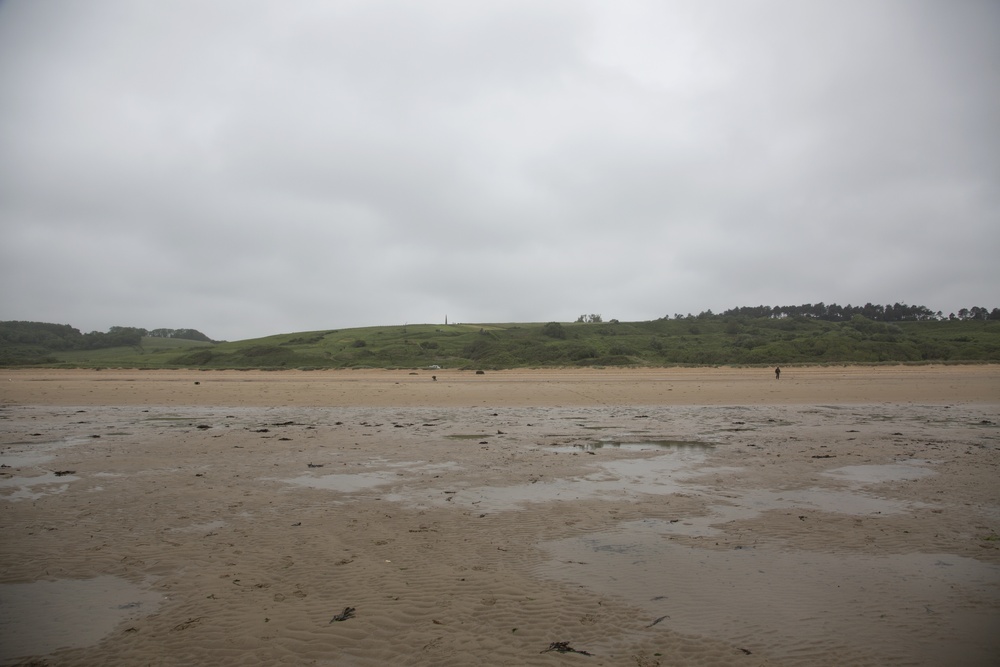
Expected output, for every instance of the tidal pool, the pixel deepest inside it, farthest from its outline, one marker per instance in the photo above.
(33, 488)
(346, 483)
(659, 475)
(802, 608)
(874, 474)
(399, 472)
(39, 617)
(33, 453)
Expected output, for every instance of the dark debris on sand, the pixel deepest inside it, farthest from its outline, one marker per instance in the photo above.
(564, 647)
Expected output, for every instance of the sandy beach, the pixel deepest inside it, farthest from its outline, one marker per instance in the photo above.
(837, 516)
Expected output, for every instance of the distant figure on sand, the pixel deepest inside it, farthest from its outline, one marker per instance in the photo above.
(777, 373)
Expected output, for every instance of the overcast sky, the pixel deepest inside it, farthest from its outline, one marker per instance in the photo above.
(248, 168)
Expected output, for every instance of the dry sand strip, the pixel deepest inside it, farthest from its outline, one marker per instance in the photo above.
(517, 518)
(531, 388)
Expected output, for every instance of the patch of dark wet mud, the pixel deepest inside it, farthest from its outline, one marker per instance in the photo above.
(633, 445)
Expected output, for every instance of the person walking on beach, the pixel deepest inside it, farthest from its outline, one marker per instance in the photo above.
(777, 373)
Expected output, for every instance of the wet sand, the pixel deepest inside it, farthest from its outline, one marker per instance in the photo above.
(839, 516)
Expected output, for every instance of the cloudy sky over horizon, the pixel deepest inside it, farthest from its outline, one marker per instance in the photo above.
(248, 167)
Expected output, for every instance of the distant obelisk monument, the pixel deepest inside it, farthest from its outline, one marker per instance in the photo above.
(446, 320)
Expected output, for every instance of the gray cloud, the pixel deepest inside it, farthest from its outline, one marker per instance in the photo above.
(247, 168)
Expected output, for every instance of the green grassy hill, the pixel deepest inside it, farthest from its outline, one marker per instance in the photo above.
(152, 352)
(714, 340)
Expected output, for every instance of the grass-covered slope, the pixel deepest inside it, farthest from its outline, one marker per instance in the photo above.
(689, 341)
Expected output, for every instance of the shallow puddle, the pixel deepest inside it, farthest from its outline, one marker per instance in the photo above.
(345, 483)
(798, 607)
(19, 457)
(831, 500)
(751, 504)
(29, 454)
(874, 474)
(658, 475)
(33, 488)
(399, 473)
(42, 616)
